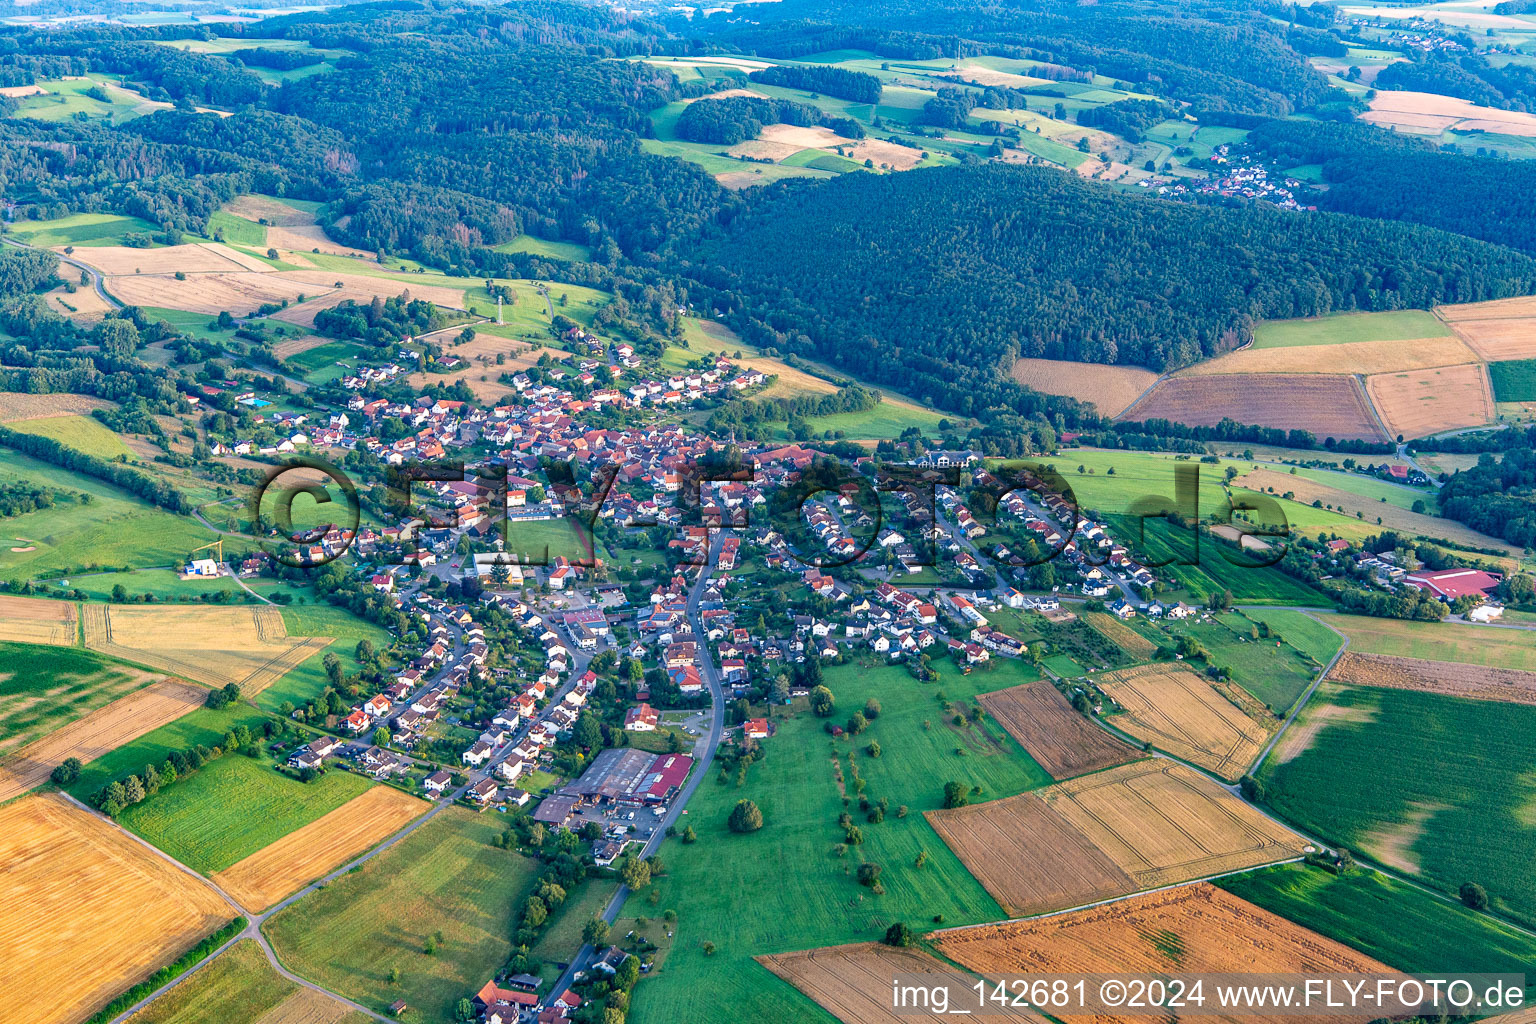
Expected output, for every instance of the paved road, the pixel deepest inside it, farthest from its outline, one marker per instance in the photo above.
(91, 272)
(703, 758)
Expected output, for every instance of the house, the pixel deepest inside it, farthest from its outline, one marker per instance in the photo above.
(641, 719)
(357, 721)
(436, 782)
(756, 728)
(477, 754)
(483, 790)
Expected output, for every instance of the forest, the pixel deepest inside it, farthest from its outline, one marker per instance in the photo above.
(840, 82)
(1497, 497)
(726, 122)
(1376, 173)
(935, 282)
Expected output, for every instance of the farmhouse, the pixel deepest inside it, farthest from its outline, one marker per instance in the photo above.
(1449, 584)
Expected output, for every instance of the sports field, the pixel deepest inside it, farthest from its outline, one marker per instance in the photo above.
(88, 911)
(445, 877)
(249, 647)
(792, 863)
(43, 688)
(232, 807)
(327, 842)
(1434, 786)
(1194, 928)
(1135, 827)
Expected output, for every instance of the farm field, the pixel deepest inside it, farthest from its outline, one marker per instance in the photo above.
(1178, 711)
(1444, 677)
(1111, 388)
(1437, 641)
(16, 405)
(246, 646)
(204, 725)
(88, 911)
(43, 688)
(853, 983)
(1135, 646)
(1135, 827)
(1498, 330)
(103, 730)
(1513, 380)
(233, 807)
(1328, 405)
(793, 856)
(1194, 928)
(1363, 357)
(308, 678)
(1061, 740)
(262, 878)
(445, 877)
(239, 292)
(1423, 113)
(82, 433)
(31, 620)
(1402, 926)
(1300, 630)
(1425, 402)
(1349, 328)
(1434, 786)
(1305, 490)
(191, 258)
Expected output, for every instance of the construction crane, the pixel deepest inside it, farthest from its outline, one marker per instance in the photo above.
(218, 549)
(193, 569)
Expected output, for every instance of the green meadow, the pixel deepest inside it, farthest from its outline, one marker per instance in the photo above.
(308, 679)
(82, 433)
(201, 725)
(445, 878)
(1344, 328)
(79, 229)
(1514, 380)
(793, 864)
(1300, 630)
(233, 807)
(1439, 787)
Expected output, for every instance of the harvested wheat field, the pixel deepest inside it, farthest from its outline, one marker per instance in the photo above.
(1328, 405)
(242, 292)
(32, 620)
(99, 732)
(853, 983)
(793, 138)
(1519, 308)
(309, 238)
(1121, 635)
(1363, 357)
(1138, 826)
(306, 1006)
(249, 647)
(314, 281)
(1431, 113)
(1476, 682)
(302, 314)
(84, 304)
(293, 346)
(16, 92)
(1176, 710)
(318, 848)
(1427, 402)
(196, 258)
(1194, 929)
(87, 910)
(1111, 388)
(1062, 741)
(1498, 339)
(1393, 517)
(14, 405)
(261, 208)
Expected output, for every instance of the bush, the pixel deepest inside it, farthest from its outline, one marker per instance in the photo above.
(745, 817)
(899, 935)
(1474, 895)
(67, 772)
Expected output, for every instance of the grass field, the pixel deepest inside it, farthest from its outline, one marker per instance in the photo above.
(1344, 328)
(42, 688)
(80, 229)
(1438, 641)
(1299, 630)
(237, 988)
(562, 934)
(1402, 926)
(115, 529)
(1432, 785)
(82, 433)
(1276, 675)
(792, 866)
(1514, 380)
(233, 807)
(65, 99)
(445, 877)
(306, 680)
(201, 725)
(544, 247)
